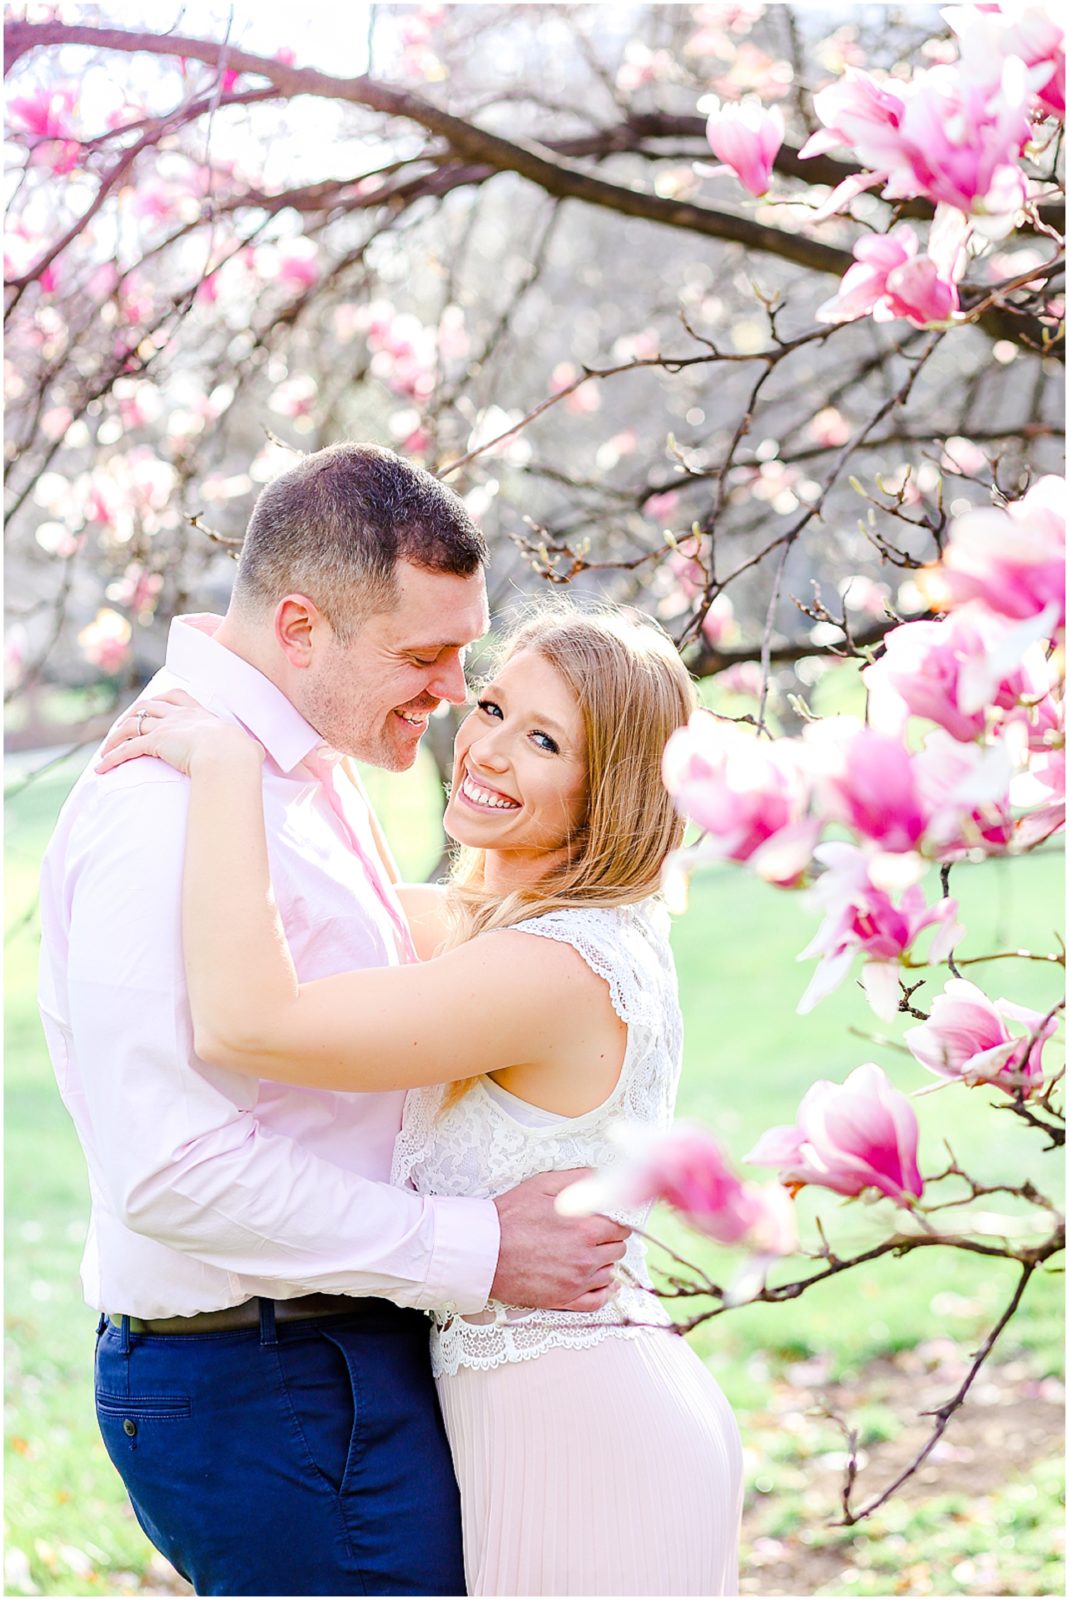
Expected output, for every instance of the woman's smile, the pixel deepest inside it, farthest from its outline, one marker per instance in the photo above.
(483, 797)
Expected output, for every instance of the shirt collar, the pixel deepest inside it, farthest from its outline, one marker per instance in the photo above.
(218, 677)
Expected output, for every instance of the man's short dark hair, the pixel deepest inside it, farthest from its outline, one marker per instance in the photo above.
(335, 526)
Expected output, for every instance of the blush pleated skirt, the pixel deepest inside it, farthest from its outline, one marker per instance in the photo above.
(614, 1470)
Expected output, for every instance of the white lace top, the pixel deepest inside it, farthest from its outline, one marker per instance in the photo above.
(480, 1147)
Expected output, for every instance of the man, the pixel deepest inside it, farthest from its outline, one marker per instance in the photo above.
(263, 1381)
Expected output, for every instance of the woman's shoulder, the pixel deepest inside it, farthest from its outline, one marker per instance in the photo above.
(627, 946)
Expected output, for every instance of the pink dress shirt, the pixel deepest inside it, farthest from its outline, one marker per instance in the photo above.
(208, 1187)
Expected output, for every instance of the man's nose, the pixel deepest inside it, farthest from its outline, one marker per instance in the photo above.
(448, 682)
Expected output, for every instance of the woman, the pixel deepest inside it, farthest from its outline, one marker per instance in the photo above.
(594, 1452)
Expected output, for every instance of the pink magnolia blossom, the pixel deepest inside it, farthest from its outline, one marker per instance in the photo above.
(140, 404)
(754, 71)
(1012, 559)
(127, 494)
(137, 590)
(742, 677)
(962, 141)
(962, 457)
(403, 350)
(297, 265)
(966, 1038)
(849, 1137)
(122, 116)
(749, 795)
(105, 642)
(60, 156)
(103, 502)
(418, 58)
(416, 443)
(684, 564)
(862, 919)
(46, 113)
(661, 507)
(866, 780)
(295, 397)
(863, 115)
(746, 137)
(641, 65)
(1041, 789)
(890, 280)
(716, 22)
(864, 594)
(45, 122)
(943, 135)
(965, 793)
(988, 34)
(719, 627)
(637, 346)
(829, 427)
(951, 673)
(155, 202)
(1042, 717)
(685, 1168)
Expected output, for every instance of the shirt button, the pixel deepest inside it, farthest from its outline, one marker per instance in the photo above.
(129, 1427)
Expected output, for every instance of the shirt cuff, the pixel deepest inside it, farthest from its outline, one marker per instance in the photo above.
(467, 1238)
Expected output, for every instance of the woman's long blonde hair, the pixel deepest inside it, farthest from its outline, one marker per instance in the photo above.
(633, 691)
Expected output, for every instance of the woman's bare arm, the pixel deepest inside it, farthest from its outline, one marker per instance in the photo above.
(504, 1000)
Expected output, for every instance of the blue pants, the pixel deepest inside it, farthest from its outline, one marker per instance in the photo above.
(303, 1458)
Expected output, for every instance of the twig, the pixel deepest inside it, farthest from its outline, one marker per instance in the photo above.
(942, 1414)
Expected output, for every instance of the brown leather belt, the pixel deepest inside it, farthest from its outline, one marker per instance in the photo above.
(246, 1315)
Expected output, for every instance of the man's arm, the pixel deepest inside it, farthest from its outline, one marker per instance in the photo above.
(183, 1155)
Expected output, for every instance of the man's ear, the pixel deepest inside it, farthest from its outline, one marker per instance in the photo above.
(300, 627)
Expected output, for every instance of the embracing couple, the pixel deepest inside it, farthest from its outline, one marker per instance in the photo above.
(317, 1104)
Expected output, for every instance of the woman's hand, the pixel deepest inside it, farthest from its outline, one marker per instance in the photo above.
(175, 729)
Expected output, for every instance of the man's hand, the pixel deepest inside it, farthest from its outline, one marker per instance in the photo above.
(558, 1263)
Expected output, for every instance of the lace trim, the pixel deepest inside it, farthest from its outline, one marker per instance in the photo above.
(522, 1335)
(449, 1354)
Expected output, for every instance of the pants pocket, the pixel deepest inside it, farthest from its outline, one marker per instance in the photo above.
(141, 1407)
(321, 1395)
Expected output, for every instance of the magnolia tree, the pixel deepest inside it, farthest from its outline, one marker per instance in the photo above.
(498, 241)
(750, 314)
(962, 757)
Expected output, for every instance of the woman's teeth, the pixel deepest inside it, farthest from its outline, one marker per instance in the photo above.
(486, 797)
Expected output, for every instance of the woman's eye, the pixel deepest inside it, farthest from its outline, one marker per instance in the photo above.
(550, 744)
(491, 707)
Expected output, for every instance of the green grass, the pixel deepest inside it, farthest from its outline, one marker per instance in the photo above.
(749, 1057)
